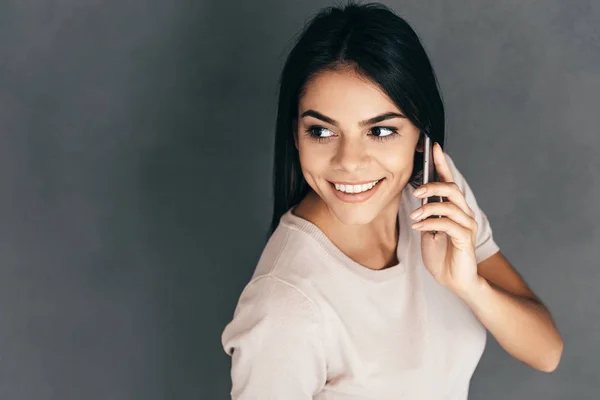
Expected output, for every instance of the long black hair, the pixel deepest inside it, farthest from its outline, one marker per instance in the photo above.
(373, 41)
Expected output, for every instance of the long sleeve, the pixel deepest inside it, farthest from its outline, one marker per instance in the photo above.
(275, 342)
(485, 245)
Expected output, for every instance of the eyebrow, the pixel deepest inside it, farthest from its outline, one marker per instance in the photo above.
(370, 121)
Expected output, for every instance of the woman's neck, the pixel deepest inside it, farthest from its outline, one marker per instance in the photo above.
(372, 245)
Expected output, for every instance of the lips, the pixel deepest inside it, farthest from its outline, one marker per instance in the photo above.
(356, 197)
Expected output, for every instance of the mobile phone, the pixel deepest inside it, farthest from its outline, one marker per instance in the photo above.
(429, 173)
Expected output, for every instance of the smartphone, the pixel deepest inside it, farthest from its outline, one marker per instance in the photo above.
(429, 173)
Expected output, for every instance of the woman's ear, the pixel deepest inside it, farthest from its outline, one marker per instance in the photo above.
(421, 143)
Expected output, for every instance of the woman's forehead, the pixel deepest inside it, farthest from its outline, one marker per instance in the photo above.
(345, 95)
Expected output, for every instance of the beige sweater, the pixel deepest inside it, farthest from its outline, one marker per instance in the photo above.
(314, 324)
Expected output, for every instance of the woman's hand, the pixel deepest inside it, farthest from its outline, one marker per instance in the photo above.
(449, 253)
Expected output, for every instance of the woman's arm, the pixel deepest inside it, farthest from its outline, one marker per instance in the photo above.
(521, 324)
(275, 343)
(503, 302)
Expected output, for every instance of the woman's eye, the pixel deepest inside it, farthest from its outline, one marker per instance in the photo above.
(315, 131)
(383, 129)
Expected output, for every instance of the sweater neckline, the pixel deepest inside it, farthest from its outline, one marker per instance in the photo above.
(295, 222)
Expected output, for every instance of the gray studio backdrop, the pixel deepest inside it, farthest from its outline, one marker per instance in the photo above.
(135, 162)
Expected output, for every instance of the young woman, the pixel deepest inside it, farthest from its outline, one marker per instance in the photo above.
(350, 299)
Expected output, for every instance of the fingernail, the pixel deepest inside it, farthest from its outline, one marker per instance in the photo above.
(415, 214)
(420, 191)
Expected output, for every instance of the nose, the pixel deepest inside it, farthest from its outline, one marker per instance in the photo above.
(351, 155)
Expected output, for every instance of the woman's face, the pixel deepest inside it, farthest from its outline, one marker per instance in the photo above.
(336, 145)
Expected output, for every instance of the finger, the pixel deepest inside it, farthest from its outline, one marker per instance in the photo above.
(449, 210)
(460, 235)
(441, 164)
(450, 191)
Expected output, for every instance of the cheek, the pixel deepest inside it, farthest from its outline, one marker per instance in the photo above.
(314, 153)
(313, 160)
(396, 158)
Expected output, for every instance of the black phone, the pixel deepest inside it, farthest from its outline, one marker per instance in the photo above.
(429, 172)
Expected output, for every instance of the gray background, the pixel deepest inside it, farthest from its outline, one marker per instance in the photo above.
(135, 162)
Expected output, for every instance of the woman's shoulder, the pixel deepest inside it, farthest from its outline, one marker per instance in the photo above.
(267, 306)
(291, 255)
(276, 294)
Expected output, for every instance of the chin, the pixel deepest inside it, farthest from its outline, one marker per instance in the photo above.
(353, 214)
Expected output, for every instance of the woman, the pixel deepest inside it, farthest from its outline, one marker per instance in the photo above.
(349, 299)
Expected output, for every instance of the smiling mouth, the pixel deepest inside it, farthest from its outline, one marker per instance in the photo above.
(356, 189)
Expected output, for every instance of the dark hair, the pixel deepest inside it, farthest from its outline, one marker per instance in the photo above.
(371, 40)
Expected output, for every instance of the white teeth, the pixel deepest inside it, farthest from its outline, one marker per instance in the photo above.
(356, 188)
